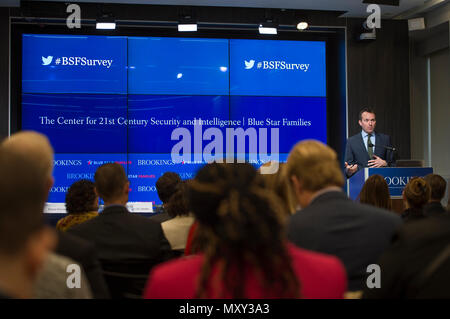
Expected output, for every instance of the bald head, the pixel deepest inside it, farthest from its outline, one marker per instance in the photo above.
(33, 146)
(26, 161)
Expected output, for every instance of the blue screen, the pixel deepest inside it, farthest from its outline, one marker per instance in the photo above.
(122, 99)
(78, 123)
(74, 64)
(159, 115)
(178, 66)
(277, 68)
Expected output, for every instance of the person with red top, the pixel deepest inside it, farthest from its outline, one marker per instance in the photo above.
(244, 253)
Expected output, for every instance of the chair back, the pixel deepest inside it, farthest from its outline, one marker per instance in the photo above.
(126, 279)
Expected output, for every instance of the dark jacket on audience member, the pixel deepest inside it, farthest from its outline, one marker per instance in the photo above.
(121, 236)
(411, 214)
(84, 254)
(433, 209)
(416, 265)
(161, 215)
(354, 232)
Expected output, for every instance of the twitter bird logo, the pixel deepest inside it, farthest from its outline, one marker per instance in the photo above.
(249, 64)
(47, 60)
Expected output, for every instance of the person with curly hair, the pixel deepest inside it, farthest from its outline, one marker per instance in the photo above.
(81, 204)
(246, 254)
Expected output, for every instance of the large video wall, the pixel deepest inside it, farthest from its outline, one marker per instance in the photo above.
(120, 99)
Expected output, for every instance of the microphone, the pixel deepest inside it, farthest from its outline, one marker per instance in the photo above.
(390, 148)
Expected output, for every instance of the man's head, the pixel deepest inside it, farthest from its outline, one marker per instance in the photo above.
(25, 169)
(367, 120)
(36, 147)
(438, 185)
(111, 183)
(166, 185)
(311, 167)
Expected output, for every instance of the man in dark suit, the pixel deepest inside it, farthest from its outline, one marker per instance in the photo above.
(438, 185)
(118, 234)
(368, 148)
(329, 222)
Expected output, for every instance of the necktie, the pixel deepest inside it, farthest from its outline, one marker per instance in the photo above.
(369, 146)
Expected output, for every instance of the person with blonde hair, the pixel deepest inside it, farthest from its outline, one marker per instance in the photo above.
(279, 184)
(415, 195)
(328, 220)
(25, 242)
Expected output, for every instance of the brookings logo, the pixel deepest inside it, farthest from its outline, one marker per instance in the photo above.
(77, 61)
(276, 65)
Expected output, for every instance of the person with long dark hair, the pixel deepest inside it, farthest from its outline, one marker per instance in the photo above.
(245, 253)
(375, 192)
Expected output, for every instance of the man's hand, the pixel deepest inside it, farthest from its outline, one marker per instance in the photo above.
(351, 169)
(377, 162)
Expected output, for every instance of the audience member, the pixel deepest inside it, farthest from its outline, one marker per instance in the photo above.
(246, 254)
(52, 280)
(415, 195)
(329, 221)
(81, 204)
(84, 253)
(37, 148)
(118, 234)
(177, 228)
(279, 184)
(438, 185)
(416, 265)
(165, 187)
(375, 192)
(25, 243)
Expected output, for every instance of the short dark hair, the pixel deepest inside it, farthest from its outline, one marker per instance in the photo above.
(22, 195)
(110, 179)
(366, 109)
(80, 197)
(166, 185)
(178, 203)
(437, 184)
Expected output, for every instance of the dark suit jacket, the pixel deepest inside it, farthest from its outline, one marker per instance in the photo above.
(356, 152)
(406, 265)
(433, 209)
(84, 254)
(354, 232)
(121, 236)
